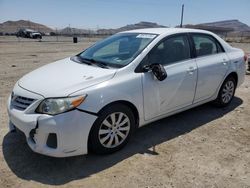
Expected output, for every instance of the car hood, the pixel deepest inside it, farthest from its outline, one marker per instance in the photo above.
(63, 77)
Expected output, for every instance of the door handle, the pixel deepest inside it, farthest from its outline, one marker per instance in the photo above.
(224, 62)
(191, 70)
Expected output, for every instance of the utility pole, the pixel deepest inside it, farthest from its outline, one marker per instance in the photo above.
(56, 35)
(182, 12)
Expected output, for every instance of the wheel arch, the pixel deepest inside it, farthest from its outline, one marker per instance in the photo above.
(234, 75)
(129, 105)
(231, 74)
(217, 99)
(124, 102)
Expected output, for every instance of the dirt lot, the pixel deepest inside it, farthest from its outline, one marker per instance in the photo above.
(202, 147)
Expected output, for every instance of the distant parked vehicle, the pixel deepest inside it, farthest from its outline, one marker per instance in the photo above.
(94, 101)
(29, 33)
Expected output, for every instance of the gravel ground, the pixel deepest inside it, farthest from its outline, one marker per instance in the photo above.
(202, 147)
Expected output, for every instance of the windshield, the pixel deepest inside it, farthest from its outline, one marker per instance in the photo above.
(117, 50)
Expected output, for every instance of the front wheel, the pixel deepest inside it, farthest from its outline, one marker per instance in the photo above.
(112, 130)
(226, 92)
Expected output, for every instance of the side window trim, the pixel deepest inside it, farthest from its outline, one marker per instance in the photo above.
(217, 43)
(138, 69)
(191, 45)
(184, 35)
(219, 46)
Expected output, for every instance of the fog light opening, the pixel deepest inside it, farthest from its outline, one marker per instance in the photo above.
(52, 140)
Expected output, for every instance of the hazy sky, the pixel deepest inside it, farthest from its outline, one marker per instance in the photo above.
(117, 13)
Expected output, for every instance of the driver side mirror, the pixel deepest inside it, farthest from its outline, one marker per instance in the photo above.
(157, 69)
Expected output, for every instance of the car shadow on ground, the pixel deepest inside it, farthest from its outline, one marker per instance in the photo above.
(57, 171)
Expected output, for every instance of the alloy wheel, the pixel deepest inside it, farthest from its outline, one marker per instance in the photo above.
(228, 91)
(114, 129)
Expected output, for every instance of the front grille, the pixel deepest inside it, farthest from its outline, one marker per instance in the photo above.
(21, 103)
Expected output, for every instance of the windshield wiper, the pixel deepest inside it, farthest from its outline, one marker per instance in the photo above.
(78, 59)
(95, 62)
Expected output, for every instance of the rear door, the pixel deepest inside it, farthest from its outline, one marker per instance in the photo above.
(212, 63)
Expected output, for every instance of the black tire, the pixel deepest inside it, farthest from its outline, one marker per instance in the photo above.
(220, 100)
(95, 139)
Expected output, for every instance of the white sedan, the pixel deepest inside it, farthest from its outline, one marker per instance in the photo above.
(96, 99)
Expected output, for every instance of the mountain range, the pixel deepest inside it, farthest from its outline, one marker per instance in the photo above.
(235, 26)
(140, 25)
(14, 26)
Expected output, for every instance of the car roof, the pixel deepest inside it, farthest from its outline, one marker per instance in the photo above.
(163, 32)
(166, 31)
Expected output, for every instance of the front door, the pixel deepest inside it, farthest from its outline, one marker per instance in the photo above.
(178, 89)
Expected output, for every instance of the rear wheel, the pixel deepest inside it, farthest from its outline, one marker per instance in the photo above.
(226, 92)
(112, 130)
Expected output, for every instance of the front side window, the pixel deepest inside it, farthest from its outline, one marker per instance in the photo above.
(118, 50)
(170, 50)
(205, 45)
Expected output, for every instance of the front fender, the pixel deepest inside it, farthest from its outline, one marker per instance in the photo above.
(116, 89)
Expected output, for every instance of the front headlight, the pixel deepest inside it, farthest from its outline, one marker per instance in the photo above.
(55, 106)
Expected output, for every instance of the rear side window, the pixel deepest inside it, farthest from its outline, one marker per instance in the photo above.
(206, 45)
(170, 50)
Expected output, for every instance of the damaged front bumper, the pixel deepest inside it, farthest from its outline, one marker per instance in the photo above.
(61, 135)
